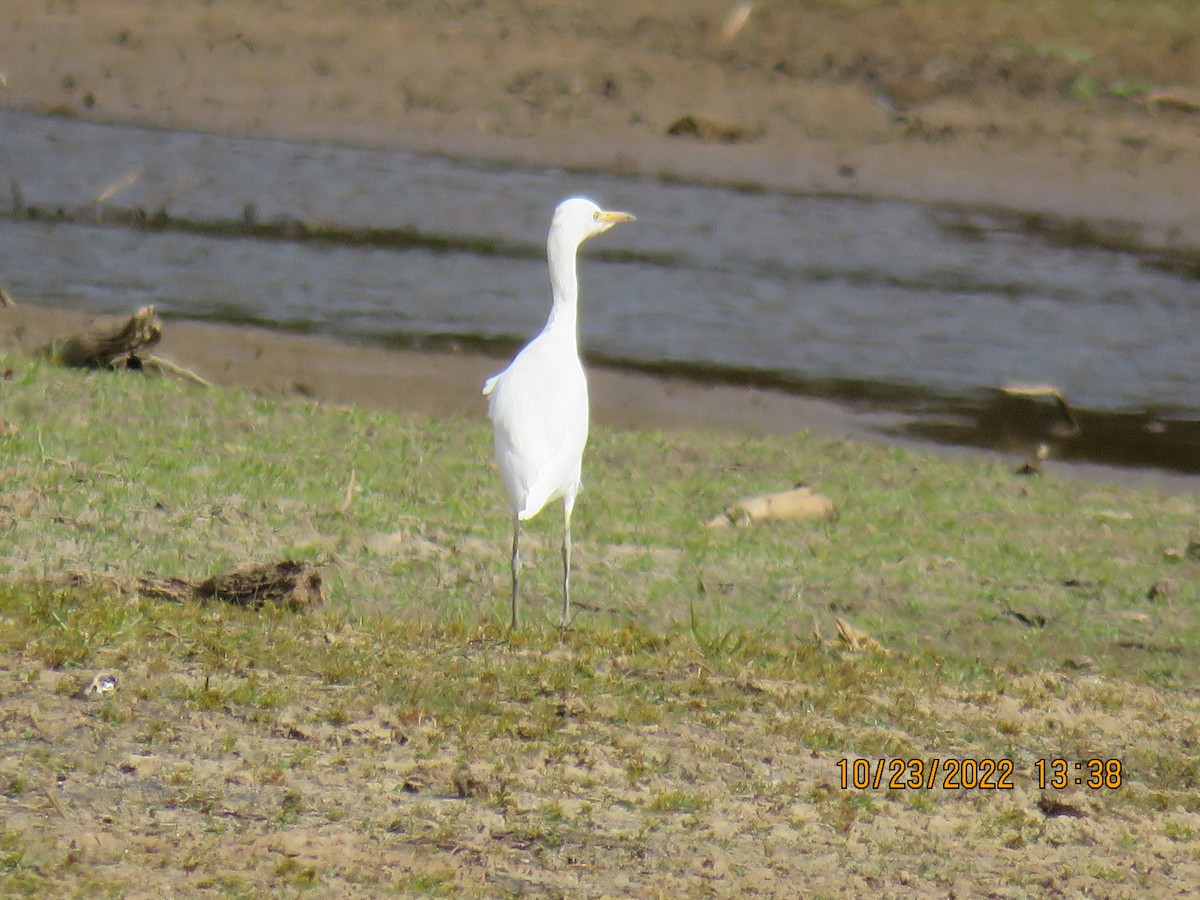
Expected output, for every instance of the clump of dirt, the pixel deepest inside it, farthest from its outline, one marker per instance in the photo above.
(289, 584)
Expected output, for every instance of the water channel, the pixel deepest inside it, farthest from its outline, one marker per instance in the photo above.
(929, 309)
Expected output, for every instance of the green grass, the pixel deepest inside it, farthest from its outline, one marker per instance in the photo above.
(401, 738)
(930, 556)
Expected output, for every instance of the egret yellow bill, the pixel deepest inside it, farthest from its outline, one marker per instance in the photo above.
(539, 404)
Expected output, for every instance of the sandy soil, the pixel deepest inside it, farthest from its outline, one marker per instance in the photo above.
(156, 796)
(438, 383)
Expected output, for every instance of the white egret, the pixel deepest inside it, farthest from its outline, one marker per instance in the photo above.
(539, 404)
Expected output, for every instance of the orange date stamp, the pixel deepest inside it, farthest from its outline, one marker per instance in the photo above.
(983, 774)
(948, 774)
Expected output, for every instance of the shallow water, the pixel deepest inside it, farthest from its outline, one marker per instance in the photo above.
(922, 307)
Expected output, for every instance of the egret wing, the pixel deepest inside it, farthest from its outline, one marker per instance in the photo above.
(539, 411)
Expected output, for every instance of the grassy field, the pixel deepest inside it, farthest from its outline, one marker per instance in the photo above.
(683, 736)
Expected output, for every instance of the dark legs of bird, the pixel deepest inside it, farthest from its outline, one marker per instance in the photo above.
(516, 566)
(566, 550)
(568, 505)
(566, 558)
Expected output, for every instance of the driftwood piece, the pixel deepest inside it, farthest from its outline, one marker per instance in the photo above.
(288, 584)
(801, 502)
(106, 348)
(120, 346)
(6, 299)
(1070, 425)
(1066, 429)
(156, 365)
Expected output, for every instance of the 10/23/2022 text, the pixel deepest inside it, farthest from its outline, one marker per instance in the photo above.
(976, 774)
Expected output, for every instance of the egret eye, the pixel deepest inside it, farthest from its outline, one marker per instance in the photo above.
(596, 216)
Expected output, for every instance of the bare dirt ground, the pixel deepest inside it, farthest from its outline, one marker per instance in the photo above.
(438, 383)
(486, 768)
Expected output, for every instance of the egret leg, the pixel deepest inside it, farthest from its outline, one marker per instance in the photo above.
(566, 555)
(516, 567)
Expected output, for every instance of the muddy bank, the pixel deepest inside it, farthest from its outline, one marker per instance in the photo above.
(1057, 112)
(440, 383)
(447, 382)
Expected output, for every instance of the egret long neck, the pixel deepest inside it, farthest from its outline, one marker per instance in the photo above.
(564, 284)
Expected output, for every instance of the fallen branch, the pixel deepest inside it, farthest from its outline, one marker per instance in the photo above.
(1070, 428)
(119, 346)
(105, 348)
(157, 365)
(289, 584)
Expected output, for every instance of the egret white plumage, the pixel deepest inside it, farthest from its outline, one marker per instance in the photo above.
(539, 404)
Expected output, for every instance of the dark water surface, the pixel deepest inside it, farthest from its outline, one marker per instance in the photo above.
(926, 309)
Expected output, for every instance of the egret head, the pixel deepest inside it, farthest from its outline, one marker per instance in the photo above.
(579, 219)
